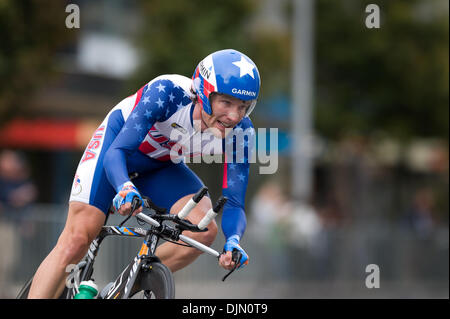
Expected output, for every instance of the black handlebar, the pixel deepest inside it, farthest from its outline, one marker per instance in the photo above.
(182, 224)
(219, 204)
(161, 214)
(202, 192)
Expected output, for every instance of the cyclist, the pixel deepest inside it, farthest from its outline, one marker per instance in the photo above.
(148, 133)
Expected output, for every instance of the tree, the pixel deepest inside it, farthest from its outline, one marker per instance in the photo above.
(177, 34)
(392, 79)
(30, 31)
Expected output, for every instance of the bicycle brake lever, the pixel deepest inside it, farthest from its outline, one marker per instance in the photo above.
(134, 204)
(236, 256)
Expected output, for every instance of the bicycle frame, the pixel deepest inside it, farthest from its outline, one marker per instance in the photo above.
(121, 287)
(129, 277)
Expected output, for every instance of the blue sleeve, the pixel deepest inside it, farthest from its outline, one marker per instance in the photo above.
(236, 173)
(158, 102)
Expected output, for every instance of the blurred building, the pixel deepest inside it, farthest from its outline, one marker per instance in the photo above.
(64, 112)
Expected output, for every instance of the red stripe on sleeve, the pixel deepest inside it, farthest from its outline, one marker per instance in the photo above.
(138, 96)
(225, 168)
(146, 148)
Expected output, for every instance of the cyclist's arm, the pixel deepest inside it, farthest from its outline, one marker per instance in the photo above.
(234, 221)
(236, 173)
(153, 106)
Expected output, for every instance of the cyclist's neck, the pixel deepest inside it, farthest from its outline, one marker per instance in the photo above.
(197, 117)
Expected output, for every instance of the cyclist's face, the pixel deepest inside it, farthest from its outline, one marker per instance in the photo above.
(227, 112)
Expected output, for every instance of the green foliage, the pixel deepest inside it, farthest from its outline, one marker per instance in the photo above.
(30, 30)
(177, 34)
(393, 79)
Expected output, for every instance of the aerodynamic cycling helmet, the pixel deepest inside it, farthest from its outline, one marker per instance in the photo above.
(228, 72)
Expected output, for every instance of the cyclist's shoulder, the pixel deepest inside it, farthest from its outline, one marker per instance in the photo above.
(166, 83)
(166, 95)
(244, 124)
(243, 128)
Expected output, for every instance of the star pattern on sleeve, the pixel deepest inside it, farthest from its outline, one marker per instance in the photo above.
(148, 114)
(160, 103)
(161, 87)
(137, 127)
(160, 100)
(237, 145)
(237, 175)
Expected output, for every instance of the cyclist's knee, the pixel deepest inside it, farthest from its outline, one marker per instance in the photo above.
(83, 224)
(72, 247)
(211, 234)
(207, 237)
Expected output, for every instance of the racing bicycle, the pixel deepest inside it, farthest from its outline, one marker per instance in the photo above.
(146, 276)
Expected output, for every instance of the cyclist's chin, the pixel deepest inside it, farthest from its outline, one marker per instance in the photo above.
(220, 130)
(217, 131)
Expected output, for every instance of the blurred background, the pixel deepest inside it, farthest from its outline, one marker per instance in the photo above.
(363, 136)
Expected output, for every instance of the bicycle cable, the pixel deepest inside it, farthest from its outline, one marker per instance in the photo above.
(177, 243)
(236, 262)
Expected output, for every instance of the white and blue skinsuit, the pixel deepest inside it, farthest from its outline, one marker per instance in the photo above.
(135, 137)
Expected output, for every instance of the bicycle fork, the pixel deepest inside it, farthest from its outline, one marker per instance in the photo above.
(122, 287)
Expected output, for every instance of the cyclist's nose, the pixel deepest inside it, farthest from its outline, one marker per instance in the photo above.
(233, 116)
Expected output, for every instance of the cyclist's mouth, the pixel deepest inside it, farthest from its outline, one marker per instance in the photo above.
(223, 124)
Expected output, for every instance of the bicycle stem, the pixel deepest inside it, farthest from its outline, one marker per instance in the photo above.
(183, 238)
(180, 220)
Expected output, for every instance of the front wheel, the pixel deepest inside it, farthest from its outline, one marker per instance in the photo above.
(23, 293)
(155, 282)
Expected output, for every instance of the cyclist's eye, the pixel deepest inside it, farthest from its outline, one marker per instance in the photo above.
(226, 103)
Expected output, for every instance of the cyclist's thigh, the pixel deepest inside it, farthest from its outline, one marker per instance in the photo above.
(167, 185)
(91, 185)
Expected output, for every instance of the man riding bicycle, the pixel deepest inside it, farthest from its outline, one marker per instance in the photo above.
(148, 133)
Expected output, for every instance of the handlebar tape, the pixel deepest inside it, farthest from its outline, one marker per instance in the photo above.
(184, 212)
(212, 213)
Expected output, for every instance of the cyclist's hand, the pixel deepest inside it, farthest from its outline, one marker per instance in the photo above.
(225, 259)
(122, 201)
